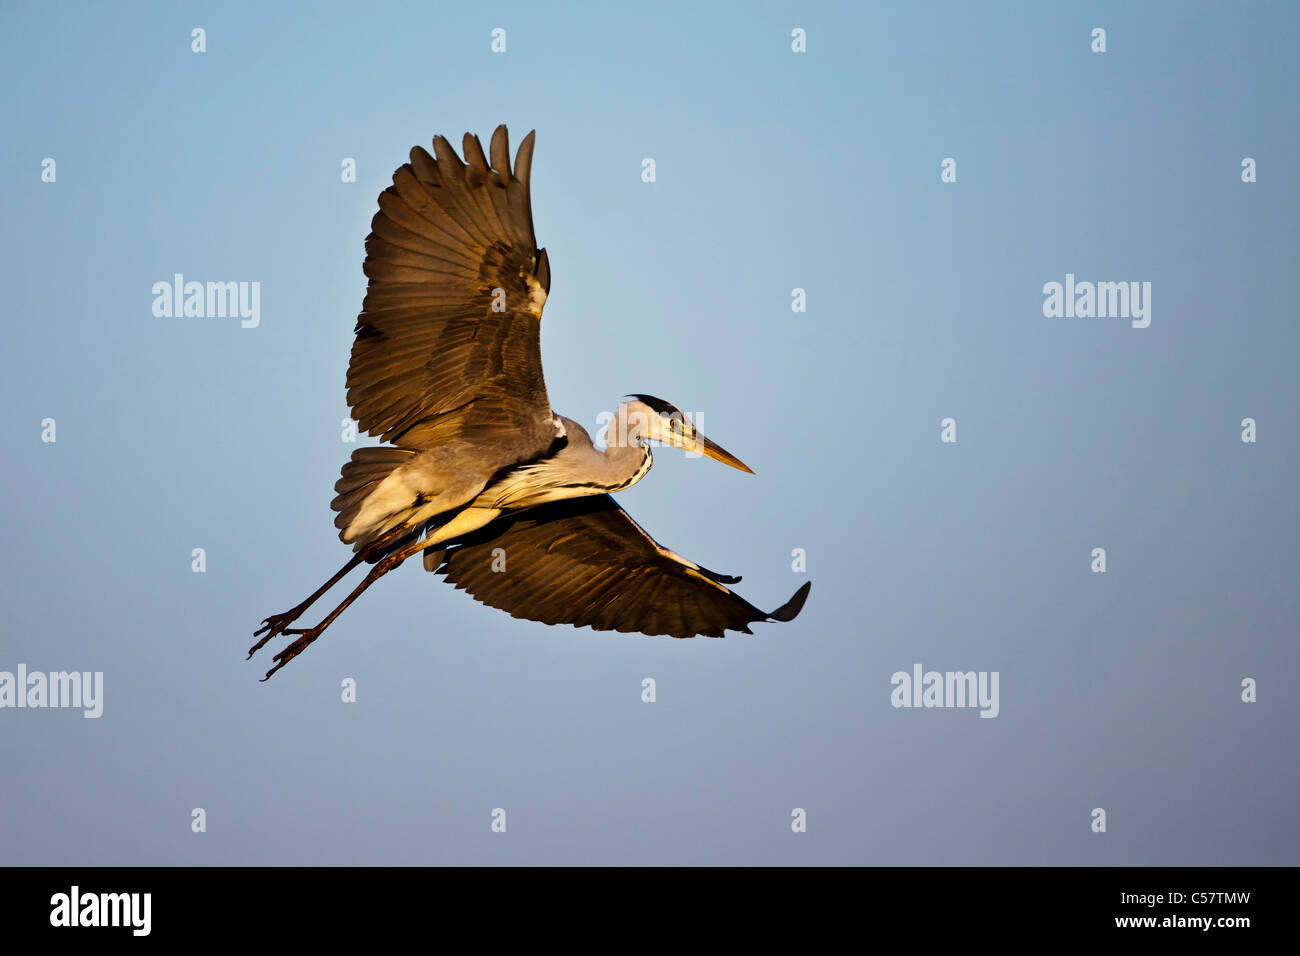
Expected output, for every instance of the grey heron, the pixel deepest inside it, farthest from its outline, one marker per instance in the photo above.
(446, 371)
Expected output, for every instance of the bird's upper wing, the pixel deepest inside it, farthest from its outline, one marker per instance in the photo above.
(447, 343)
(585, 562)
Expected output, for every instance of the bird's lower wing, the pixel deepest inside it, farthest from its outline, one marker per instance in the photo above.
(585, 562)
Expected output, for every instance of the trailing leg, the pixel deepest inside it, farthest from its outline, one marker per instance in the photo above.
(276, 623)
(307, 635)
(470, 519)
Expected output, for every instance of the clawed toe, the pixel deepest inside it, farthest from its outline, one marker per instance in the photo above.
(273, 626)
(293, 649)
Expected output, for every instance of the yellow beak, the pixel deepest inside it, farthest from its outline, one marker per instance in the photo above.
(703, 446)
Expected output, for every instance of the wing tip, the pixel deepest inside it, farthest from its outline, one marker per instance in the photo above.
(791, 608)
(524, 158)
(543, 271)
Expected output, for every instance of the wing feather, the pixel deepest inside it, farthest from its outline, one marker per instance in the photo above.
(436, 356)
(585, 562)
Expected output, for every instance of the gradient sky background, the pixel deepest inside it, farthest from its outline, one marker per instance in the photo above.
(775, 171)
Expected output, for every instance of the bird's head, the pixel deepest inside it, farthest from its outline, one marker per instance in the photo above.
(646, 418)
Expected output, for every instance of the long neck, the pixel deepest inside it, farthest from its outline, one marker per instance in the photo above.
(625, 465)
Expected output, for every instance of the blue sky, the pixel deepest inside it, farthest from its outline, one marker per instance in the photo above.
(774, 171)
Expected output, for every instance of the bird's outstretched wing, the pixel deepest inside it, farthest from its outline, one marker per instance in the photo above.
(585, 562)
(447, 343)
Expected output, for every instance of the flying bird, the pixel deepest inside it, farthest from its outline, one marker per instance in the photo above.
(446, 371)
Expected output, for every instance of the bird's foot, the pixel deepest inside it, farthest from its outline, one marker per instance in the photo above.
(274, 626)
(294, 648)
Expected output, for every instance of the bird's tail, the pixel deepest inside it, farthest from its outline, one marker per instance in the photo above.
(361, 477)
